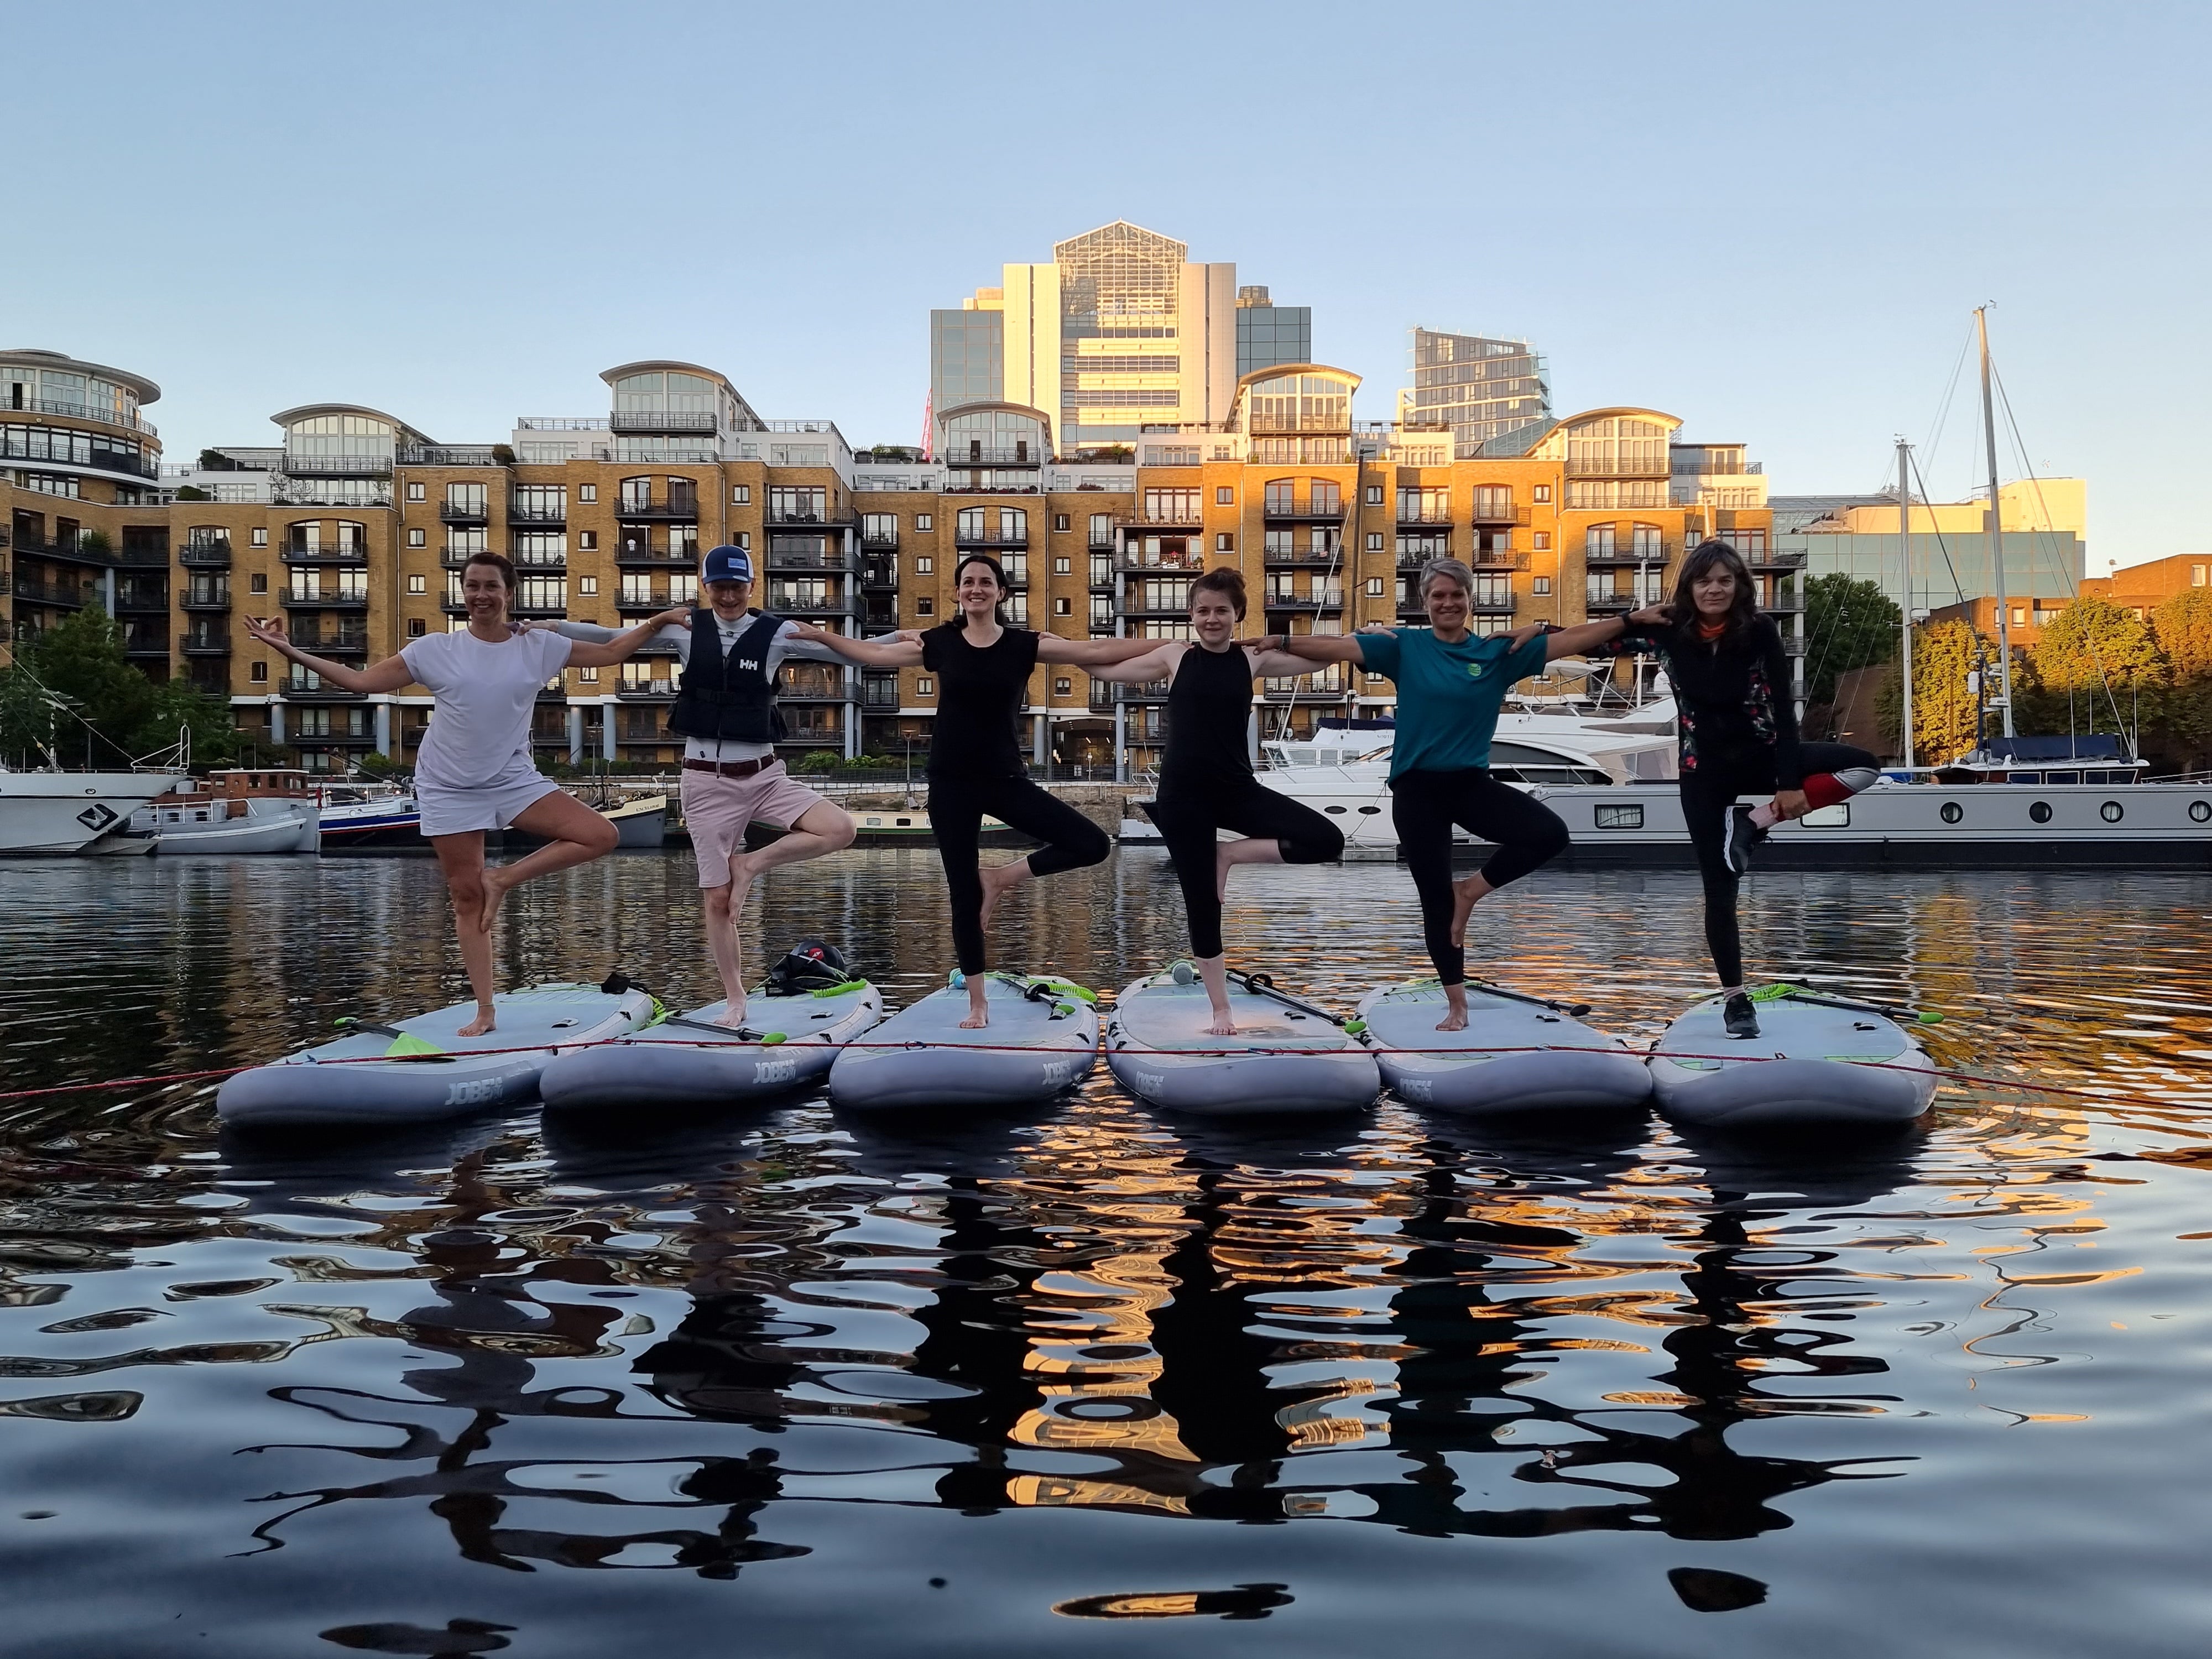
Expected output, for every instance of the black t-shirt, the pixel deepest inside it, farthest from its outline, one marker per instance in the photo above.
(979, 690)
(1209, 705)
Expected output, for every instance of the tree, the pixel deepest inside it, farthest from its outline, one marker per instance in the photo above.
(2092, 668)
(2183, 627)
(74, 691)
(1942, 707)
(1849, 624)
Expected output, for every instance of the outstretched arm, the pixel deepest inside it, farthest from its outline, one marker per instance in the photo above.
(597, 653)
(889, 653)
(1157, 664)
(1323, 647)
(386, 676)
(1583, 636)
(1088, 653)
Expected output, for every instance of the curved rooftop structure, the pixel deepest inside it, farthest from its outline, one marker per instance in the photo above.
(36, 357)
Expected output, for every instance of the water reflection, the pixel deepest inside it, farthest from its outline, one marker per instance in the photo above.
(772, 1346)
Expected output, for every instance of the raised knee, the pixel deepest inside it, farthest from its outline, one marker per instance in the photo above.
(841, 832)
(603, 837)
(1092, 846)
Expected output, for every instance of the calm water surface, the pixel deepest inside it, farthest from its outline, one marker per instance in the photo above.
(1093, 1380)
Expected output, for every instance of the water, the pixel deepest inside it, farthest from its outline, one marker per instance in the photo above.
(1089, 1380)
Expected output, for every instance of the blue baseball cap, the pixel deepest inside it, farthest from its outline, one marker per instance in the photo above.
(729, 564)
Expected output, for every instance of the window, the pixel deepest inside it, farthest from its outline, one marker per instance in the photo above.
(925, 687)
(924, 565)
(924, 521)
(1063, 566)
(414, 539)
(260, 676)
(1063, 687)
(413, 492)
(925, 606)
(587, 541)
(1224, 542)
(1059, 522)
(418, 584)
(1374, 540)
(587, 492)
(1224, 495)
(1101, 530)
(2020, 616)
(1543, 541)
(741, 495)
(1620, 817)
(261, 536)
(587, 585)
(416, 628)
(1542, 585)
(1542, 492)
(258, 582)
(1375, 495)
(1063, 607)
(1374, 588)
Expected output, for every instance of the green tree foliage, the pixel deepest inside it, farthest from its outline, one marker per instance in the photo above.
(1942, 706)
(2183, 627)
(73, 693)
(2095, 668)
(1849, 624)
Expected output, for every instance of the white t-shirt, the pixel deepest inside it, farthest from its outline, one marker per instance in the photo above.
(679, 636)
(486, 691)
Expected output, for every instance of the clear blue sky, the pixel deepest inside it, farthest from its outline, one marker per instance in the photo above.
(1772, 221)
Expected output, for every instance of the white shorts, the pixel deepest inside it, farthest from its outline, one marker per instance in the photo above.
(716, 811)
(448, 810)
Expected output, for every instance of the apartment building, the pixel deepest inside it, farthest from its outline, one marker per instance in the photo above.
(354, 527)
(1480, 385)
(2141, 588)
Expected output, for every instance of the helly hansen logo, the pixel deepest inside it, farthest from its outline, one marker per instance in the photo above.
(752, 663)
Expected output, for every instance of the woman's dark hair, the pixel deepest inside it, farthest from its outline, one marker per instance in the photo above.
(498, 562)
(1743, 609)
(1222, 578)
(998, 574)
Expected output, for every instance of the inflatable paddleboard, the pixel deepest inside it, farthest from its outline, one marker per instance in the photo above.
(1287, 1056)
(1042, 1038)
(691, 1060)
(1814, 1061)
(418, 1070)
(1518, 1054)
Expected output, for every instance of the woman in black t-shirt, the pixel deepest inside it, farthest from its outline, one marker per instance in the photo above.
(982, 669)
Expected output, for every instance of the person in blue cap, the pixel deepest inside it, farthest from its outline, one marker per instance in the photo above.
(726, 715)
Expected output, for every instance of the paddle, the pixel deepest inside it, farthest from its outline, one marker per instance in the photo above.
(1573, 1010)
(405, 1045)
(1263, 984)
(728, 1033)
(1791, 992)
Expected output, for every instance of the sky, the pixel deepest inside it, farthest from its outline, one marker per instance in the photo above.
(1773, 221)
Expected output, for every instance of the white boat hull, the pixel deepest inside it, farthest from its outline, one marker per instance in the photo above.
(63, 812)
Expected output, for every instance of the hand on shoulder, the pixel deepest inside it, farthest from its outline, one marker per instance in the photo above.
(1652, 616)
(1379, 628)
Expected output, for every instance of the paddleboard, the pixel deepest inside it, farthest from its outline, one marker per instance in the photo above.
(691, 1060)
(1516, 1054)
(1042, 1038)
(1812, 1062)
(420, 1069)
(1284, 1058)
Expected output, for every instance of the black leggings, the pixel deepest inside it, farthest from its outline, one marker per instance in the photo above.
(1424, 805)
(1709, 792)
(957, 806)
(1188, 812)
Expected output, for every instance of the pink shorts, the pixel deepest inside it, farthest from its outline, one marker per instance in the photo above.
(717, 809)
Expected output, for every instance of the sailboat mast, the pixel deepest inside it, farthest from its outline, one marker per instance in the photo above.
(1905, 564)
(1996, 528)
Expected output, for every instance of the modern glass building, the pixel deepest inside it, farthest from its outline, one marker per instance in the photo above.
(1480, 385)
(967, 357)
(1268, 334)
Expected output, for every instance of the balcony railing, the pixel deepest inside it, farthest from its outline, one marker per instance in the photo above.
(683, 508)
(337, 466)
(305, 682)
(1615, 466)
(1303, 558)
(682, 558)
(878, 693)
(879, 573)
(341, 642)
(1606, 558)
(1329, 599)
(1137, 560)
(217, 600)
(128, 604)
(644, 605)
(205, 553)
(835, 559)
(296, 492)
(1260, 425)
(1490, 512)
(518, 514)
(157, 556)
(879, 541)
(337, 553)
(207, 644)
(464, 512)
(814, 682)
(784, 602)
(1612, 604)
(295, 600)
(87, 412)
(986, 540)
(1419, 521)
(450, 455)
(1023, 457)
(69, 597)
(1497, 558)
(663, 420)
(1774, 560)
(646, 690)
(1173, 518)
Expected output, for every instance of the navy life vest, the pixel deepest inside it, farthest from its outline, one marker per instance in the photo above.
(728, 696)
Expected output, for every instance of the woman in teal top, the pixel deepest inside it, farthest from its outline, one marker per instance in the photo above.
(1451, 683)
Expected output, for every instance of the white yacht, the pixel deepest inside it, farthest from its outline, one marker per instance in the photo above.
(234, 811)
(62, 813)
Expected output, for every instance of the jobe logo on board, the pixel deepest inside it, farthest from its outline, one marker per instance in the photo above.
(774, 1071)
(478, 1093)
(1057, 1071)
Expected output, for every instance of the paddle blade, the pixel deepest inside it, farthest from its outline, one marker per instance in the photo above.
(408, 1043)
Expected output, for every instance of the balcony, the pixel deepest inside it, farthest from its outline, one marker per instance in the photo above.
(529, 611)
(128, 604)
(974, 455)
(1303, 558)
(879, 692)
(303, 685)
(464, 512)
(645, 604)
(69, 597)
(143, 557)
(673, 510)
(1148, 610)
(451, 455)
(985, 540)
(208, 553)
(1490, 512)
(1419, 521)
(146, 646)
(200, 643)
(1101, 541)
(879, 575)
(215, 599)
(337, 553)
(341, 642)
(879, 541)
(1162, 519)
(1616, 466)
(535, 515)
(663, 420)
(645, 691)
(1606, 558)
(1612, 604)
(1788, 603)
(85, 412)
(337, 466)
(788, 519)
(664, 558)
(1274, 425)
(1328, 686)
(1773, 561)
(834, 559)
(1493, 604)
(813, 682)
(784, 603)
(544, 562)
(1135, 560)
(295, 600)
(1497, 558)
(336, 738)
(1329, 599)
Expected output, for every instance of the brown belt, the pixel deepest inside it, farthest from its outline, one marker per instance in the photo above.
(731, 769)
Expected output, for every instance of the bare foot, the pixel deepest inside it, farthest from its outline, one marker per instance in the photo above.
(996, 880)
(1454, 1017)
(484, 1025)
(1221, 876)
(979, 1007)
(733, 1016)
(495, 894)
(1466, 895)
(1224, 1024)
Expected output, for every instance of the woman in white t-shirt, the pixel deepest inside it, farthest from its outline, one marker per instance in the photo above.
(473, 771)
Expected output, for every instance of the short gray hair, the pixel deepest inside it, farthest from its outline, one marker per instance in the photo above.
(1455, 568)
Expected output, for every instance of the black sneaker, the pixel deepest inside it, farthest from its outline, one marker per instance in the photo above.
(1739, 838)
(1741, 1019)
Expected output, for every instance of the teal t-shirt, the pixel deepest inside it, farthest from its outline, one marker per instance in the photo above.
(1448, 695)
